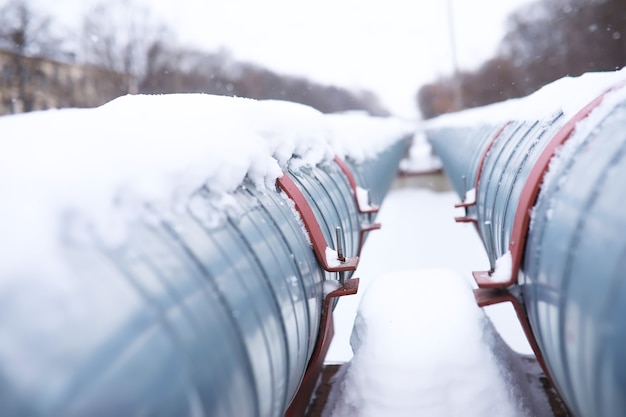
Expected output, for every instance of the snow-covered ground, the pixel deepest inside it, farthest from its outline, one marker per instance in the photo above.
(418, 232)
(422, 346)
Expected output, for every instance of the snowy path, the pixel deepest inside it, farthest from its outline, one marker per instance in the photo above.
(419, 232)
(422, 346)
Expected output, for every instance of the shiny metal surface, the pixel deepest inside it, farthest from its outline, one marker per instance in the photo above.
(572, 275)
(377, 174)
(199, 312)
(461, 150)
(574, 272)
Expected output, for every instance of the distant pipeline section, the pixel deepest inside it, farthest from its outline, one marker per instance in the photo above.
(546, 197)
(199, 317)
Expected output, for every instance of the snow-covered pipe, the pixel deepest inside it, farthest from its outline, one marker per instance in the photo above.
(151, 263)
(545, 195)
(198, 317)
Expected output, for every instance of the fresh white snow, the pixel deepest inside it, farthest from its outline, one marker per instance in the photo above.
(582, 132)
(567, 95)
(413, 268)
(363, 199)
(423, 347)
(332, 257)
(502, 271)
(108, 163)
(362, 137)
(470, 196)
(420, 157)
(418, 336)
(397, 338)
(330, 286)
(419, 232)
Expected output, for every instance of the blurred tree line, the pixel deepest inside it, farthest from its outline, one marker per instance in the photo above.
(545, 40)
(120, 38)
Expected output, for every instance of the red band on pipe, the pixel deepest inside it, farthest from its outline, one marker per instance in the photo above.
(312, 226)
(530, 192)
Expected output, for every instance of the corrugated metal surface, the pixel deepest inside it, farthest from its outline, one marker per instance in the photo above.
(506, 169)
(377, 174)
(574, 271)
(198, 313)
(572, 275)
(461, 157)
(329, 195)
(499, 157)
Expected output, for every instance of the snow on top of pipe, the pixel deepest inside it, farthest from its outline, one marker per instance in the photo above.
(108, 162)
(363, 136)
(582, 133)
(363, 198)
(567, 95)
(420, 157)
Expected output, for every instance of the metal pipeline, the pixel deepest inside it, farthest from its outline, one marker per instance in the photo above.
(547, 194)
(197, 316)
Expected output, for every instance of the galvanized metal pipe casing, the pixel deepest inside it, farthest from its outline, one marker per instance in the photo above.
(211, 318)
(574, 284)
(199, 312)
(572, 273)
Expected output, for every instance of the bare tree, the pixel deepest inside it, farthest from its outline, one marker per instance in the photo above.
(118, 35)
(25, 34)
(566, 37)
(546, 40)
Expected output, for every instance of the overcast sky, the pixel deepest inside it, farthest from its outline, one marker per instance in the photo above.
(388, 46)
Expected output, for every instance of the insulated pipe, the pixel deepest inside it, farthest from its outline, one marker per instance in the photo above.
(199, 312)
(547, 194)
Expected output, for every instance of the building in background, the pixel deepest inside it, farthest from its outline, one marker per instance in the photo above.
(37, 83)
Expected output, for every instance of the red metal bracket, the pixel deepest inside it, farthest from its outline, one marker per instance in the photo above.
(300, 402)
(483, 279)
(364, 231)
(353, 185)
(373, 209)
(465, 219)
(479, 171)
(313, 228)
(465, 204)
(481, 164)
